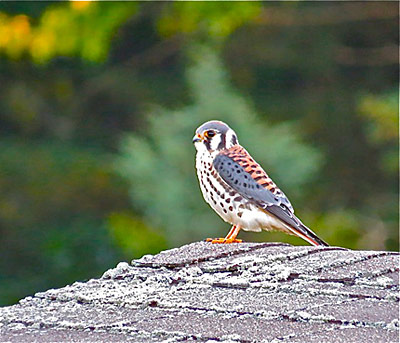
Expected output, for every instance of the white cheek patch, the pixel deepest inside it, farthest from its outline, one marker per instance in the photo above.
(215, 141)
(231, 138)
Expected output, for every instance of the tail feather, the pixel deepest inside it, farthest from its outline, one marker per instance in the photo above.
(294, 224)
(304, 232)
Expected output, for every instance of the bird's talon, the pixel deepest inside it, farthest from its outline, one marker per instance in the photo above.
(223, 240)
(233, 241)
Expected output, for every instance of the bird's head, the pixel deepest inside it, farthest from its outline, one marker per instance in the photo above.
(214, 135)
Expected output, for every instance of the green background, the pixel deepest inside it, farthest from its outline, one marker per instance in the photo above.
(99, 103)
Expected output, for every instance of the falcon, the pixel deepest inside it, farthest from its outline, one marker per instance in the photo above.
(239, 190)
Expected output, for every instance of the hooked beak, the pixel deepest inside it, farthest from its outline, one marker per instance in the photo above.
(197, 138)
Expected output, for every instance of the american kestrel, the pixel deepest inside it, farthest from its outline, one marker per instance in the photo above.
(239, 190)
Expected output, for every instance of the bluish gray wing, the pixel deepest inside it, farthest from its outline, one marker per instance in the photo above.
(279, 206)
(241, 181)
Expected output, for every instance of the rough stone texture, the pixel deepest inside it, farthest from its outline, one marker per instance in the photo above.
(222, 293)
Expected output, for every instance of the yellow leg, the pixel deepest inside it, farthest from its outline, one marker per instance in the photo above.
(230, 237)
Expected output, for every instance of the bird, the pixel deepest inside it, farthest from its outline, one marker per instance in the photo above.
(238, 188)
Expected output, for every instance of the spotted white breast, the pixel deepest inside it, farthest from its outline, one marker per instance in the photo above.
(229, 204)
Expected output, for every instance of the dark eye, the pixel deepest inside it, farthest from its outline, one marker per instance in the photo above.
(210, 133)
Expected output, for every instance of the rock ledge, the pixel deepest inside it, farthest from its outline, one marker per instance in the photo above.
(249, 292)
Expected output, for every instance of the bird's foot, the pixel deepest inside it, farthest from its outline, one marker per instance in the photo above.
(223, 240)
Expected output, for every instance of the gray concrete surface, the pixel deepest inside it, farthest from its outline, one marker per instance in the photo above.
(247, 292)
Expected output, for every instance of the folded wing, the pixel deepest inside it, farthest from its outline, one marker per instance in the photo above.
(241, 180)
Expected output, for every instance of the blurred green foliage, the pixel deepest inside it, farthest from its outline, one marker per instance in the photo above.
(383, 116)
(134, 235)
(82, 28)
(100, 101)
(216, 19)
(52, 198)
(160, 164)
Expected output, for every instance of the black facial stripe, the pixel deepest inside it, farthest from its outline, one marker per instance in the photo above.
(222, 144)
(234, 140)
(207, 144)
